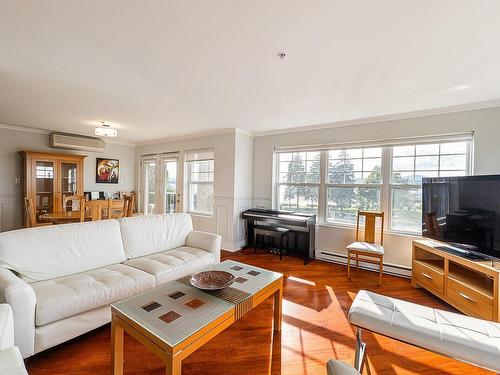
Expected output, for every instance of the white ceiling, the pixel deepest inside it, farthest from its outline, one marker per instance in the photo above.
(161, 68)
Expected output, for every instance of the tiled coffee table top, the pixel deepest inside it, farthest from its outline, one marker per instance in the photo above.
(175, 310)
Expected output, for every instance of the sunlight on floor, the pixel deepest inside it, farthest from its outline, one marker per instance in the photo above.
(302, 337)
(303, 281)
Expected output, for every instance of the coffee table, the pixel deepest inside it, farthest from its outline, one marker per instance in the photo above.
(175, 319)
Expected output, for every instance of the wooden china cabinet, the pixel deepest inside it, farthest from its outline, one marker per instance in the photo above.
(49, 177)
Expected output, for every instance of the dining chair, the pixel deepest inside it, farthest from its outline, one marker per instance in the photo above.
(30, 212)
(95, 208)
(29, 208)
(116, 208)
(82, 210)
(128, 204)
(367, 248)
(72, 199)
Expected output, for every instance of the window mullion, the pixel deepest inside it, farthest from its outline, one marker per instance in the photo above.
(322, 198)
(385, 194)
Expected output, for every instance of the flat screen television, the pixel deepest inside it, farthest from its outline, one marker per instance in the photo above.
(464, 212)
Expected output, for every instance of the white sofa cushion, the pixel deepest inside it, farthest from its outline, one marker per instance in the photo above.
(367, 247)
(66, 296)
(149, 234)
(11, 362)
(173, 264)
(48, 252)
(6, 326)
(458, 336)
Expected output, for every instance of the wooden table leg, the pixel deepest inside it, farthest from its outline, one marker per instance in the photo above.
(173, 366)
(278, 306)
(116, 348)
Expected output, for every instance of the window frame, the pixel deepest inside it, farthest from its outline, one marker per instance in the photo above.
(189, 183)
(386, 186)
(352, 185)
(391, 186)
(278, 184)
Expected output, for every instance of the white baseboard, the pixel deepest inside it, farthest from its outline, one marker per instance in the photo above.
(232, 247)
(389, 269)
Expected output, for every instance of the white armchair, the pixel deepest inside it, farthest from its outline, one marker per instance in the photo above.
(11, 361)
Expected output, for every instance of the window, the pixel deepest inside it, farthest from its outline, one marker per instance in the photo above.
(412, 163)
(298, 181)
(336, 183)
(200, 182)
(354, 183)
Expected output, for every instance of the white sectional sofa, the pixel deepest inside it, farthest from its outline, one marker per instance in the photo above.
(11, 361)
(61, 279)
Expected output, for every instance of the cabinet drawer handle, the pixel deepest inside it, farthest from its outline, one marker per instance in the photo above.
(465, 296)
(427, 276)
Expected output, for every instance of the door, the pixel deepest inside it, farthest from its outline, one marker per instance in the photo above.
(159, 184)
(149, 188)
(170, 203)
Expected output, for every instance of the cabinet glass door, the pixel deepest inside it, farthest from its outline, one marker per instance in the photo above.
(44, 193)
(68, 180)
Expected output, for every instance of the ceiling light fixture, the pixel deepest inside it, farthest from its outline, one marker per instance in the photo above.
(105, 130)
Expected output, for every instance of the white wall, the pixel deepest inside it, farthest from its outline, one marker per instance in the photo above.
(485, 123)
(243, 187)
(223, 144)
(12, 141)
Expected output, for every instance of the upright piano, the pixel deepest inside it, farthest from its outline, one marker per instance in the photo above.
(302, 228)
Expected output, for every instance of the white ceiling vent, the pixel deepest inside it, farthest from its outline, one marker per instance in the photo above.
(76, 142)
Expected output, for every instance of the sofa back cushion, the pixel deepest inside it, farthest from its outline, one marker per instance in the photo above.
(48, 252)
(148, 234)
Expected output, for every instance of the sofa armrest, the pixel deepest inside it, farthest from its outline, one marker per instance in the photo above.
(206, 241)
(6, 326)
(21, 297)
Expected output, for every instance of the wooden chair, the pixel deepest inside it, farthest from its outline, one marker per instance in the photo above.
(29, 208)
(368, 248)
(82, 209)
(95, 208)
(72, 198)
(116, 208)
(30, 212)
(128, 204)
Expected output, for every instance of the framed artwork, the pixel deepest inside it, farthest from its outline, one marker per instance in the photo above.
(107, 171)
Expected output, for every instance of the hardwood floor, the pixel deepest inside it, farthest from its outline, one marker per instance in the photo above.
(315, 328)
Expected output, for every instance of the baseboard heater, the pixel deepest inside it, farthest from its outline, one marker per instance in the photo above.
(389, 269)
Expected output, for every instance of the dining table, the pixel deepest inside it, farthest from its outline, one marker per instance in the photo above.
(64, 217)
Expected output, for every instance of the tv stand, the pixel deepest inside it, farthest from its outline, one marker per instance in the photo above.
(470, 285)
(461, 252)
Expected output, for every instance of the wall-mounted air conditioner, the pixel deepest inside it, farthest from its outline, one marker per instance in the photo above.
(76, 142)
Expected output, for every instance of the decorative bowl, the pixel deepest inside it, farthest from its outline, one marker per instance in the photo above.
(212, 280)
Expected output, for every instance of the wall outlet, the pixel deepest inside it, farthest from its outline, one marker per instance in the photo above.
(17, 180)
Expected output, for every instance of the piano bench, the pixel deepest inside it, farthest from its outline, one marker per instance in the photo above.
(273, 232)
